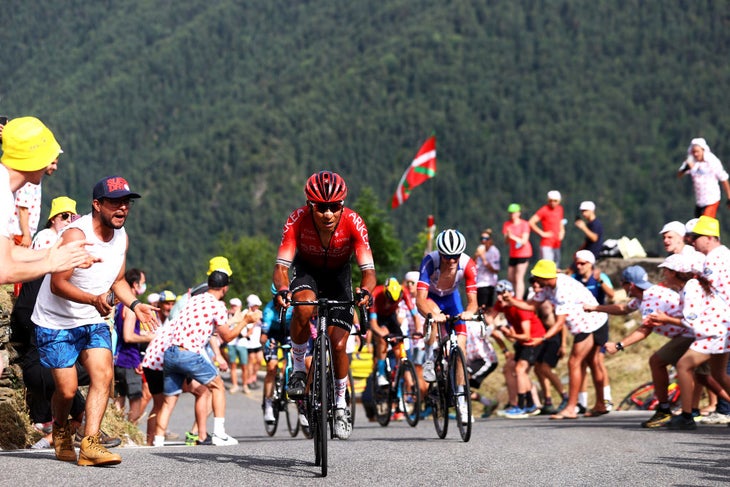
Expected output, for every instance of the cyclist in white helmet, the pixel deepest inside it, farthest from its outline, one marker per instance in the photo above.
(438, 288)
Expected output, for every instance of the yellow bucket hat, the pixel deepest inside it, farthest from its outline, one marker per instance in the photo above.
(708, 226)
(28, 145)
(62, 204)
(219, 263)
(545, 269)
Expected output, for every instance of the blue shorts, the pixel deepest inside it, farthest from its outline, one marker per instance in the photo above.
(180, 364)
(451, 305)
(60, 349)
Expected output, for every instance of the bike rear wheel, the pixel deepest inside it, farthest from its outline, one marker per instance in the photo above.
(459, 390)
(351, 397)
(408, 393)
(437, 394)
(304, 408)
(641, 398)
(383, 406)
(292, 417)
(271, 426)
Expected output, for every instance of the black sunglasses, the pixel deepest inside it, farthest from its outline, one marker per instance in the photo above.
(325, 207)
(65, 216)
(450, 257)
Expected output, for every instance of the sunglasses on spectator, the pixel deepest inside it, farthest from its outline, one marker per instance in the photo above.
(582, 263)
(65, 216)
(118, 202)
(325, 207)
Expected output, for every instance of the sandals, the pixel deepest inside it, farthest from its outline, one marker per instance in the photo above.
(560, 415)
(594, 413)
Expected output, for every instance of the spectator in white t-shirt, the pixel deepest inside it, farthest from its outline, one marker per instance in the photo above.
(707, 175)
(487, 258)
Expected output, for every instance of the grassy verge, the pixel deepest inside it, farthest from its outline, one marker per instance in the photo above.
(16, 429)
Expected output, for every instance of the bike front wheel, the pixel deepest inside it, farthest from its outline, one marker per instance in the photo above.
(320, 402)
(409, 395)
(437, 396)
(459, 382)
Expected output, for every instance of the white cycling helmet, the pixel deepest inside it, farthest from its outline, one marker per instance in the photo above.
(502, 286)
(451, 242)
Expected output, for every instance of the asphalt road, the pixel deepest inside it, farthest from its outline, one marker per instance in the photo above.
(609, 450)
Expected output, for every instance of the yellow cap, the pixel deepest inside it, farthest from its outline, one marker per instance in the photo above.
(28, 145)
(220, 263)
(62, 204)
(545, 269)
(708, 226)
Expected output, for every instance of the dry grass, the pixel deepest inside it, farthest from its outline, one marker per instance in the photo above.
(16, 429)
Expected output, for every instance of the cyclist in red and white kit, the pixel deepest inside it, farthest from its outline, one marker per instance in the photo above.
(317, 243)
(438, 291)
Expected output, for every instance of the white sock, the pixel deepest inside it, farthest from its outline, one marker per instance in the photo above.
(219, 427)
(429, 353)
(340, 388)
(607, 393)
(583, 399)
(299, 351)
(159, 441)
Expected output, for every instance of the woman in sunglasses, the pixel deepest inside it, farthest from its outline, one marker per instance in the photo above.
(63, 212)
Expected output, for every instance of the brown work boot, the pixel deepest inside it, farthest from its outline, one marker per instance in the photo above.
(92, 453)
(63, 442)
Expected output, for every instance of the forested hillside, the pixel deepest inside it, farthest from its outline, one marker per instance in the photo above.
(217, 111)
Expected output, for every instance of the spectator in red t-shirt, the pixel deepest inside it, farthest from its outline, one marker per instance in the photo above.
(522, 328)
(516, 233)
(550, 216)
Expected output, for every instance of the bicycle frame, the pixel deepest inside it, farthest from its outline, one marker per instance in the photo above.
(450, 389)
(321, 381)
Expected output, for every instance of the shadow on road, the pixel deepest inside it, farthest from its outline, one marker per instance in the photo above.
(283, 467)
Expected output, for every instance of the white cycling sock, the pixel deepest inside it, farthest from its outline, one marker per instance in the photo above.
(299, 352)
(607, 393)
(340, 388)
(429, 353)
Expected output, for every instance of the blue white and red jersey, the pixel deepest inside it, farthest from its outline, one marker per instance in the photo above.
(430, 277)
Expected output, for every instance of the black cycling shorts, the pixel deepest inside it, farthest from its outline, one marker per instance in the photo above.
(331, 284)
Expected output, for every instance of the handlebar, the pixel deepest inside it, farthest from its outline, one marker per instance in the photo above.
(478, 316)
(329, 303)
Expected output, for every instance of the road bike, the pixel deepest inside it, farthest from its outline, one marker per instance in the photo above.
(451, 387)
(643, 397)
(320, 400)
(401, 389)
(279, 399)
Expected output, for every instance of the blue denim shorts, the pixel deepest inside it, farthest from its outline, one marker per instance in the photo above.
(180, 364)
(238, 354)
(60, 349)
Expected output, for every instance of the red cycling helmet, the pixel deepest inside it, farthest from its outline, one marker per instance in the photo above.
(325, 187)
